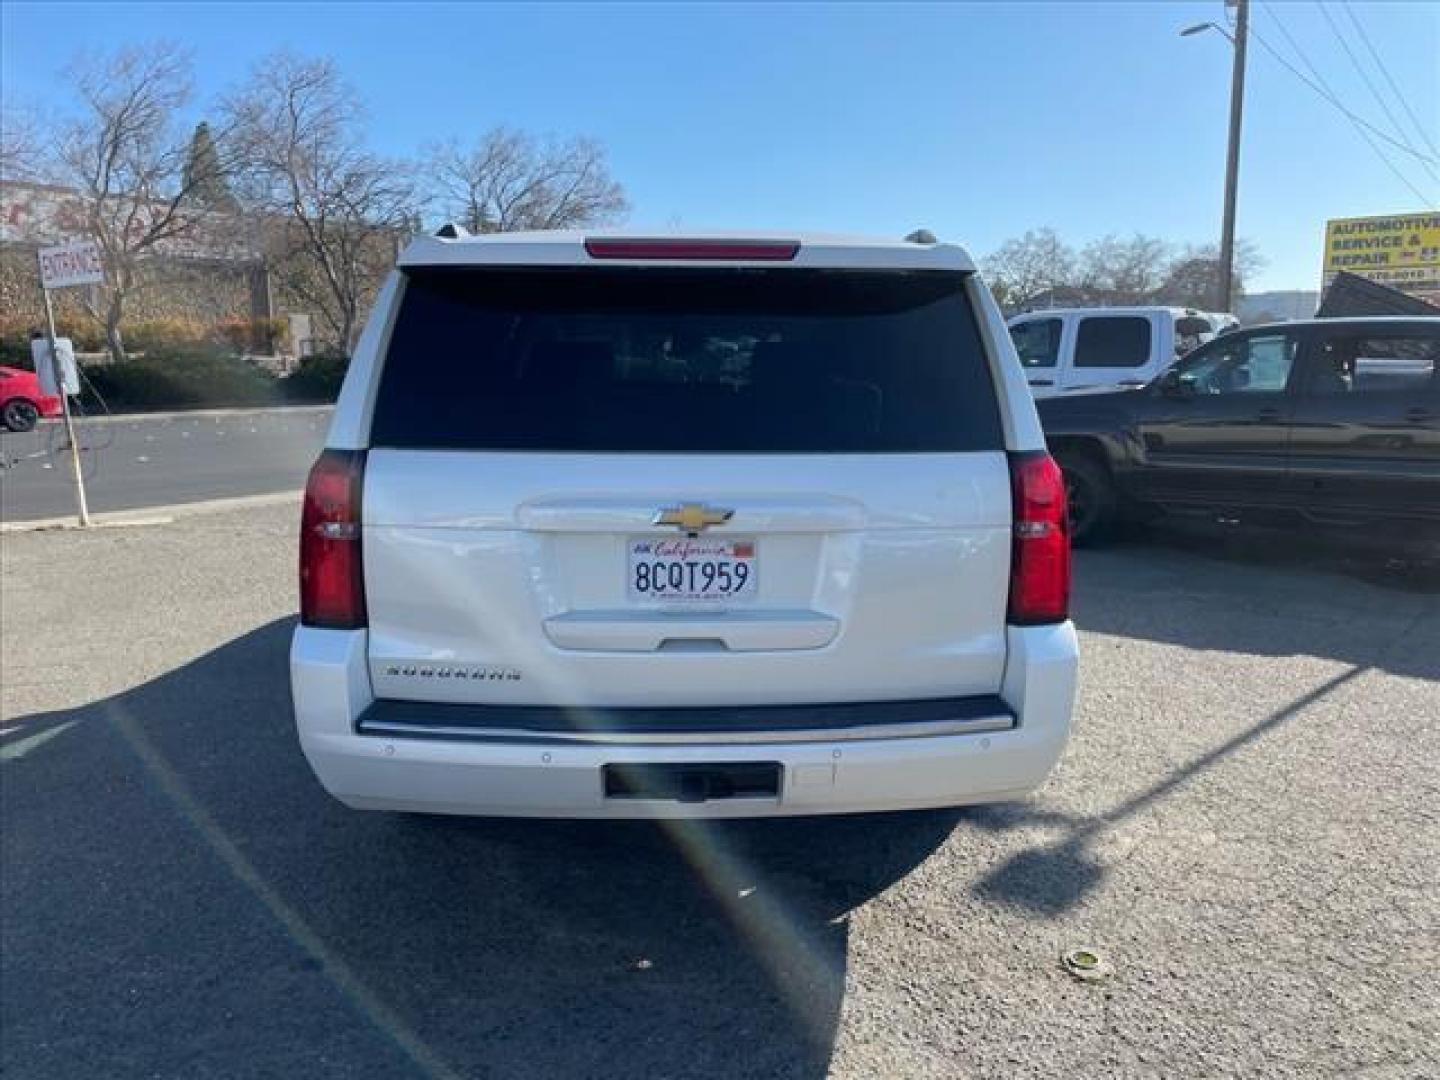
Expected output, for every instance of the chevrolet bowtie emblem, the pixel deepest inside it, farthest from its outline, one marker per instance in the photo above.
(692, 517)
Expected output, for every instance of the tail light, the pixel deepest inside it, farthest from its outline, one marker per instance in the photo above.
(1040, 549)
(332, 588)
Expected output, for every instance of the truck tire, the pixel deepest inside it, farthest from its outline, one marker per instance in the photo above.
(1091, 496)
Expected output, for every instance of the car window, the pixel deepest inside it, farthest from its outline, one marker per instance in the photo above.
(1254, 364)
(1191, 331)
(1038, 342)
(717, 361)
(1374, 364)
(1113, 341)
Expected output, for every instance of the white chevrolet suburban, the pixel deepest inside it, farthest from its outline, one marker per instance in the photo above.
(615, 526)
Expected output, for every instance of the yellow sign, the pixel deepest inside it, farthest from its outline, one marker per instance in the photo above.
(1402, 251)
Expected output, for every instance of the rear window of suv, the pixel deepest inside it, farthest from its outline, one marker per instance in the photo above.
(645, 360)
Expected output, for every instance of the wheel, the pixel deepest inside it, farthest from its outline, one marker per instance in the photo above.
(20, 415)
(1090, 495)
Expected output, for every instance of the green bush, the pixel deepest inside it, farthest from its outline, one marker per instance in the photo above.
(15, 337)
(15, 352)
(247, 335)
(165, 336)
(162, 335)
(193, 378)
(318, 378)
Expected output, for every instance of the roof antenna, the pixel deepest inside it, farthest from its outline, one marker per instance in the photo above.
(452, 231)
(921, 236)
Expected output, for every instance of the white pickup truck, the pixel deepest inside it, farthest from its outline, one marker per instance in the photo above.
(1064, 350)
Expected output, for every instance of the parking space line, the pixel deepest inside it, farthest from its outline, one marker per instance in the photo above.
(20, 747)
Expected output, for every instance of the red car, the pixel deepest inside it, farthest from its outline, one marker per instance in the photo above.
(22, 402)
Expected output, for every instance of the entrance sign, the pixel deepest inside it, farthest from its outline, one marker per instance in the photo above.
(77, 263)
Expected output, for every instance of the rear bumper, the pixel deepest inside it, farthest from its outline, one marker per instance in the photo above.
(823, 771)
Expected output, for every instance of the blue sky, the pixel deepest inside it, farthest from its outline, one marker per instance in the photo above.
(975, 120)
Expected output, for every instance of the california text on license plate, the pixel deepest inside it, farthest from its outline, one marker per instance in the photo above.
(686, 568)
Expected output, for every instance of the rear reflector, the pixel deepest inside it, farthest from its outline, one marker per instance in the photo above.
(332, 588)
(1040, 548)
(736, 250)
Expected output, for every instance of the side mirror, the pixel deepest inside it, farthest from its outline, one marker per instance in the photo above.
(1172, 385)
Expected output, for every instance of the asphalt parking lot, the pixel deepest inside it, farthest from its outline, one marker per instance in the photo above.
(136, 461)
(1246, 828)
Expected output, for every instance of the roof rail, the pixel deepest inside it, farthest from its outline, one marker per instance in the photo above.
(452, 230)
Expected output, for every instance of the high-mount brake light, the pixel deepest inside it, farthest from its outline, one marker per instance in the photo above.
(688, 250)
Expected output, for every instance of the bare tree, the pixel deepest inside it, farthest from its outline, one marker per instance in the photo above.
(1021, 269)
(508, 180)
(1194, 276)
(1138, 270)
(1124, 271)
(336, 211)
(125, 155)
(21, 156)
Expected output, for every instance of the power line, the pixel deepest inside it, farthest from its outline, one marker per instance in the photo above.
(1329, 95)
(1304, 58)
(1362, 126)
(1385, 71)
(1329, 91)
(1375, 93)
(1323, 89)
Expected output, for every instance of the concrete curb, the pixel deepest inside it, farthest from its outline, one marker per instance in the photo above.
(182, 414)
(154, 515)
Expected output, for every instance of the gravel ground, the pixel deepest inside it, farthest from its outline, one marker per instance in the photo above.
(1245, 828)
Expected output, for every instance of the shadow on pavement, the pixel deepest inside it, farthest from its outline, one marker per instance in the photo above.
(1264, 594)
(1268, 594)
(1364, 555)
(181, 898)
(1050, 879)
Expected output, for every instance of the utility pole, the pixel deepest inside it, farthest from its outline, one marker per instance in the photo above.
(1232, 157)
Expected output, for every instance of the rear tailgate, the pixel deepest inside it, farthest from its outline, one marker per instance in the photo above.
(875, 578)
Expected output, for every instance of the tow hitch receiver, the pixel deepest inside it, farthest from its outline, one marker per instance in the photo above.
(693, 783)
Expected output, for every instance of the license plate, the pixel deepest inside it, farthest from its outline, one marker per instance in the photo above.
(686, 569)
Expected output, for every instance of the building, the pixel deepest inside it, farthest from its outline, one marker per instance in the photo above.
(1281, 305)
(214, 272)
(228, 267)
(1350, 295)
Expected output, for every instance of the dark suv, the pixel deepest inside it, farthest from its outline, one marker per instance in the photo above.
(1325, 423)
